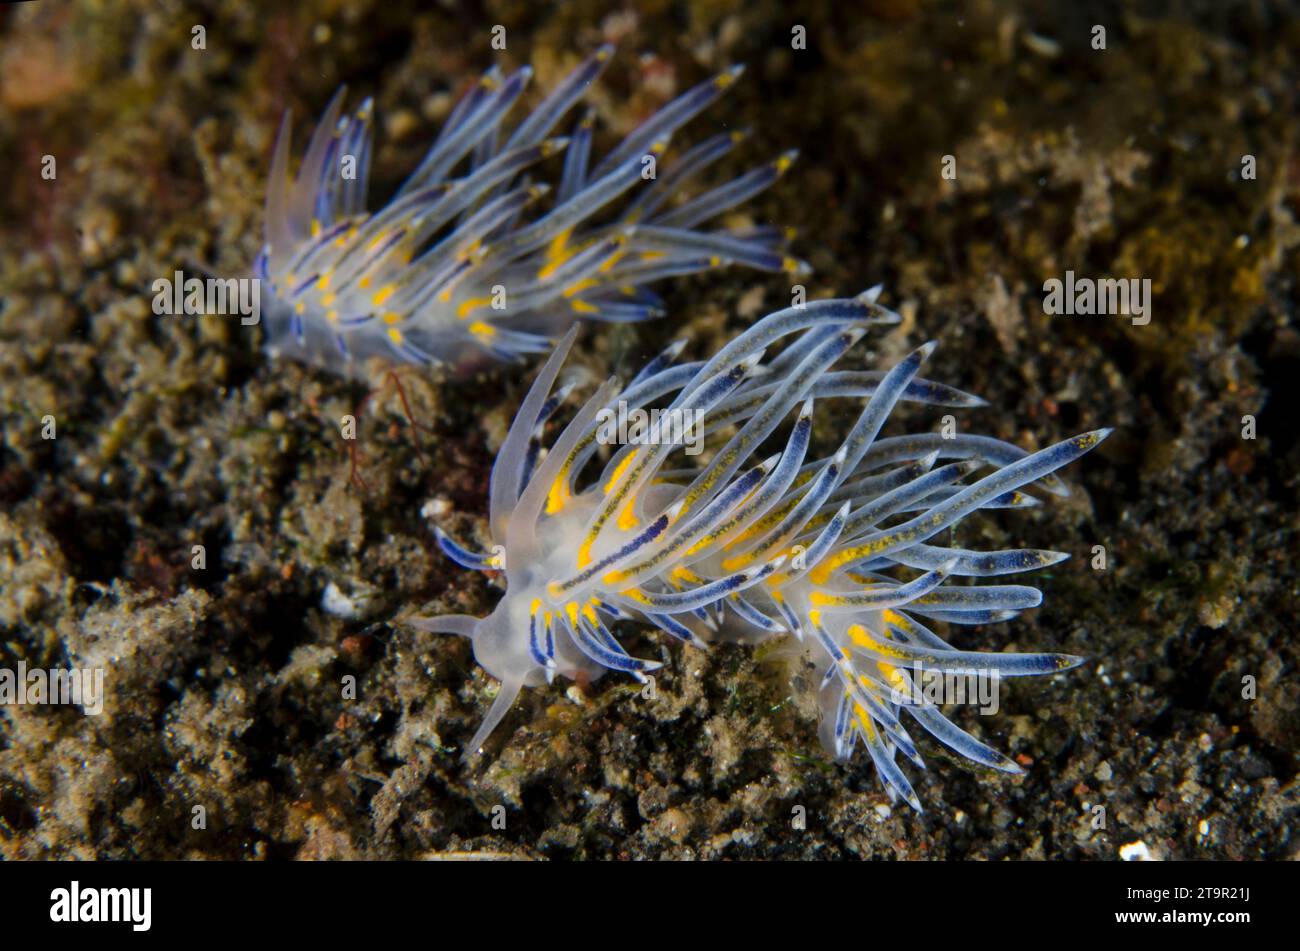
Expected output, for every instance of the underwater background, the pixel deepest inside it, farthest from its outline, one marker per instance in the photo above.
(225, 684)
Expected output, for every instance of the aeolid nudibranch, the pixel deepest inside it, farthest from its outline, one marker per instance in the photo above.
(456, 268)
(838, 552)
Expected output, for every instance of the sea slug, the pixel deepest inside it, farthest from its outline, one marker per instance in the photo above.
(838, 552)
(453, 270)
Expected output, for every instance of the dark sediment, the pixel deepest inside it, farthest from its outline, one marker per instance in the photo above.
(226, 684)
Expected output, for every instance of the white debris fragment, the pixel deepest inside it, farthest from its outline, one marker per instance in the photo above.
(1136, 852)
(436, 507)
(1040, 45)
(340, 605)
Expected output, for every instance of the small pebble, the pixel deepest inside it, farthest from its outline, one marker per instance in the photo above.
(1136, 852)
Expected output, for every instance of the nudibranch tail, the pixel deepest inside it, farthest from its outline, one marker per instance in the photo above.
(458, 267)
(742, 537)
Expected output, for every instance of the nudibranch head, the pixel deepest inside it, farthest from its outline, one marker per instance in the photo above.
(459, 267)
(837, 552)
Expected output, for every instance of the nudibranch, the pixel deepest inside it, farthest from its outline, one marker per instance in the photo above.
(838, 553)
(459, 267)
